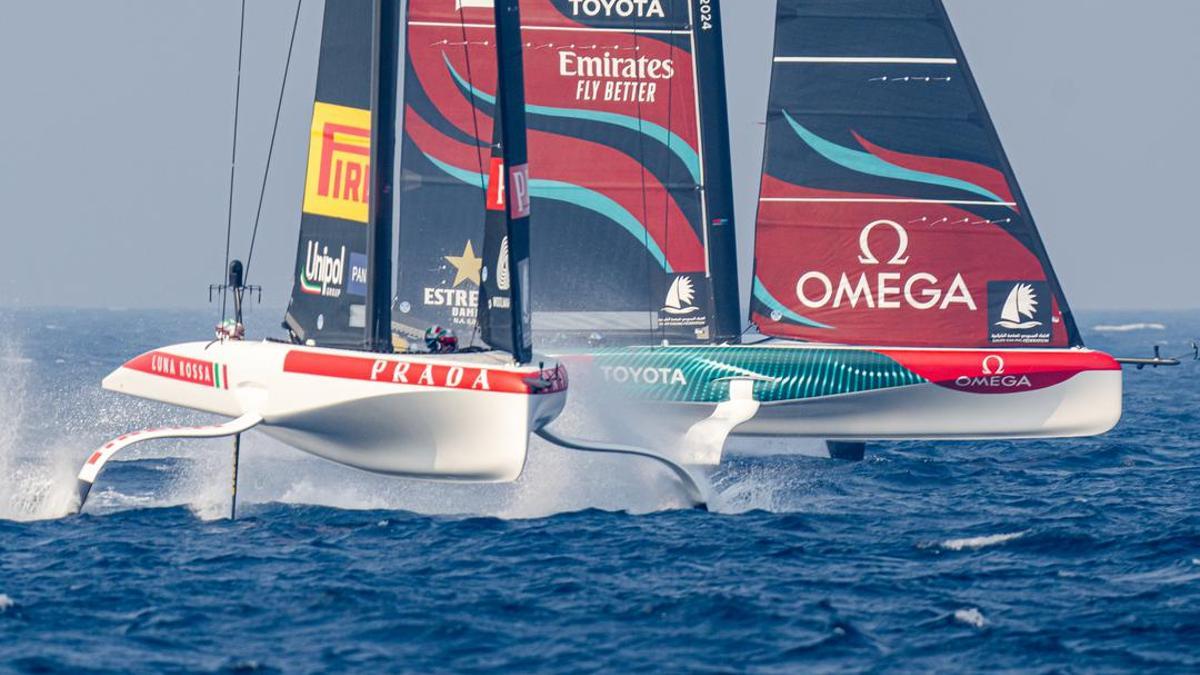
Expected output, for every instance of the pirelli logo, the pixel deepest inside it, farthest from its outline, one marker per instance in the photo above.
(339, 163)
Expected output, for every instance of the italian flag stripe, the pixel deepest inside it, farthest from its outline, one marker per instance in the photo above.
(216, 375)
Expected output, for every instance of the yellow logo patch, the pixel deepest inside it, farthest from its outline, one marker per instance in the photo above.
(339, 163)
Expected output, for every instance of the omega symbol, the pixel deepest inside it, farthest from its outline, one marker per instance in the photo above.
(864, 243)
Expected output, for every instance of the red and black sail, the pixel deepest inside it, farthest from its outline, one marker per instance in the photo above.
(634, 234)
(888, 213)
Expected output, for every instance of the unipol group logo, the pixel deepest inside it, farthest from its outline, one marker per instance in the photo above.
(1019, 312)
(892, 282)
(339, 163)
(323, 274)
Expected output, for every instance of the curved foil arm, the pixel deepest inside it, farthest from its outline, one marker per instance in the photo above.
(97, 460)
(697, 491)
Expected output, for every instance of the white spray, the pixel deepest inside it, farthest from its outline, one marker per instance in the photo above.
(36, 481)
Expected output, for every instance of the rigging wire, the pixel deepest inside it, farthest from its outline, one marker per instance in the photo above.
(668, 197)
(237, 100)
(649, 270)
(462, 22)
(262, 190)
(474, 108)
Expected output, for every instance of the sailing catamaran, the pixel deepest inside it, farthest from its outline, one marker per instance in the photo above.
(900, 290)
(336, 389)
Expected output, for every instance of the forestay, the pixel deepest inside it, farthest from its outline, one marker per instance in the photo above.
(889, 214)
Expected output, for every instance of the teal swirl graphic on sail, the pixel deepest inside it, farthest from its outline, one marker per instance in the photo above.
(764, 296)
(571, 194)
(866, 163)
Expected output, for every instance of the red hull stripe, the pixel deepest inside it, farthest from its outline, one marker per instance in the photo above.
(1000, 372)
(192, 371)
(393, 371)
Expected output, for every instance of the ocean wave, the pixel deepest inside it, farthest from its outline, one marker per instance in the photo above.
(1127, 327)
(973, 543)
(970, 616)
(574, 565)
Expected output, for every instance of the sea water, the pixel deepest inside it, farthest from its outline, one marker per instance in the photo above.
(1040, 555)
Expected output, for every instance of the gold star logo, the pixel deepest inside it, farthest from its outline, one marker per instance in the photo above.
(466, 266)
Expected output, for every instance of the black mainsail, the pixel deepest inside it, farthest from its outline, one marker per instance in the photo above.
(344, 221)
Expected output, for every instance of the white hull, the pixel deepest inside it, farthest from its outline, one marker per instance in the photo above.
(948, 395)
(452, 417)
(1087, 405)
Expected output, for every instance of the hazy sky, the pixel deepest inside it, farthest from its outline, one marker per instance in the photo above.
(117, 115)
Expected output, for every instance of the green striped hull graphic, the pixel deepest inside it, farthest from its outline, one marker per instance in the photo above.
(700, 374)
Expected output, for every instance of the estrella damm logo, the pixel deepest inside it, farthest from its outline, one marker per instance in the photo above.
(339, 162)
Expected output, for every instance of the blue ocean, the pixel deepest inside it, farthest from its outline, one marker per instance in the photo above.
(1043, 556)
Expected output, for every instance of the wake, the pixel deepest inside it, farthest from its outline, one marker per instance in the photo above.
(1128, 327)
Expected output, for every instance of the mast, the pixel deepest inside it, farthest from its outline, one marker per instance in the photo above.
(718, 174)
(510, 94)
(386, 52)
